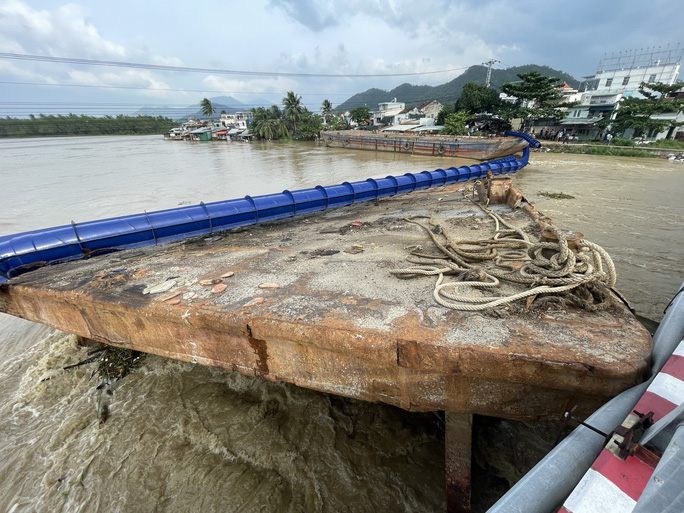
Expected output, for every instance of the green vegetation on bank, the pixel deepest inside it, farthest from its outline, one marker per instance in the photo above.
(73, 124)
(595, 149)
(667, 144)
(661, 144)
(294, 120)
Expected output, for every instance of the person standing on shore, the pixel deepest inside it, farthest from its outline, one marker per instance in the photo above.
(609, 138)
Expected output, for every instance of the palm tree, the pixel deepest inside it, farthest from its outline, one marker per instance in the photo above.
(293, 109)
(327, 111)
(268, 123)
(208, 109)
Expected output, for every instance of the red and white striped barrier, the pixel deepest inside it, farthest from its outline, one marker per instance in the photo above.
(613, 485)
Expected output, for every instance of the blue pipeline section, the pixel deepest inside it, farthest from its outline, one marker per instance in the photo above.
(25, 251)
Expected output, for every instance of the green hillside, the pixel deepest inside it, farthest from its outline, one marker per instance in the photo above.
(447, 93)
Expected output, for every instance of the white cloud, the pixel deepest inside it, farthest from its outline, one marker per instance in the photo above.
(67, 31)
(64, 32)
(247, 90)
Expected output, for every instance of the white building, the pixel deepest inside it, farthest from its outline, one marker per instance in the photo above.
(618, 76)
(236, 120)
(396, 113)
(387, 112)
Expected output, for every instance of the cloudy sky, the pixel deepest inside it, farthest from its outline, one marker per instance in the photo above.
(280, 42)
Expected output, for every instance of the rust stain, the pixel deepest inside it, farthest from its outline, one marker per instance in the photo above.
(261, 350)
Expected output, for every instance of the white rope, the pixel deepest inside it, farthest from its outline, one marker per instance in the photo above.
(561, 272)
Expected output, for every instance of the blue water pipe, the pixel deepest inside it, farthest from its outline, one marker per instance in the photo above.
(25, 251)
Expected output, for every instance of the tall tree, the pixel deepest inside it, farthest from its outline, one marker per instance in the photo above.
(360, 115)
(536, 97)
(208, 109)
(327, 110)
(338, 123)
(637, 113)
(309, 126)
(446, 111)
(478, 98)
(293, 109)
(455, 124)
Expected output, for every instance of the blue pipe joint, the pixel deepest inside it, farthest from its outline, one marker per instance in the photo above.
(529, 138)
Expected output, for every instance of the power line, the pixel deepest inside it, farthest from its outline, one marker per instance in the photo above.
(159, 67)
(164, 89)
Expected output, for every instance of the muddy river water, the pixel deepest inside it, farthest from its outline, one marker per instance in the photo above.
(187, 438)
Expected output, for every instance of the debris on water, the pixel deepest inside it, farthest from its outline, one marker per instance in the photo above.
(100, 276)
(190, 295)
(173, 302)
(356, 223)
(555, 195)
(228, 274)
(209, 282)
(254, 302)
(160, 287)
(269, 285)
(118, 362)
(212, 239)
(219, 288)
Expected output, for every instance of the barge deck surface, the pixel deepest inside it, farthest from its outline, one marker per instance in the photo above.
(468, 147)
(339, 322)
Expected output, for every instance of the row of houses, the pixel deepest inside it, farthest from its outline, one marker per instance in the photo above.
(619, 76)
(204, 130)
(394, 116)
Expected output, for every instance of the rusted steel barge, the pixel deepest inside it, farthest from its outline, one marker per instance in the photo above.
(479, 148)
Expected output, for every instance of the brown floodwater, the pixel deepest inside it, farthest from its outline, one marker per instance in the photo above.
(181, 437)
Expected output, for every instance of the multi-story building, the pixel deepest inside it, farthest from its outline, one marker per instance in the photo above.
(236, 120)
(387, 112)
(618, 76)
(395, 113)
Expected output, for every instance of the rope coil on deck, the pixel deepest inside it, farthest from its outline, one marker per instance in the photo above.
(547, 268)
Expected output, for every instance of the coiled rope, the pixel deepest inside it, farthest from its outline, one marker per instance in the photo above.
(547, 268)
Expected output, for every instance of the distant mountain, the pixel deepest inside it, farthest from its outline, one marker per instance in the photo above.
(220, 103)
(259, 102)
(226, 101)
(447, 93)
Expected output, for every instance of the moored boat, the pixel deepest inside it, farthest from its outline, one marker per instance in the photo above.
(479, 148)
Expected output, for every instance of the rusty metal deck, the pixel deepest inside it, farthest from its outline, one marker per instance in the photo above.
(339, 322)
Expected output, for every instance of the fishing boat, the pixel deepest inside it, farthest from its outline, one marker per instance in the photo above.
(479, 148)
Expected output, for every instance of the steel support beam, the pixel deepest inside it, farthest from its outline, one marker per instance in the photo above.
(457, 451)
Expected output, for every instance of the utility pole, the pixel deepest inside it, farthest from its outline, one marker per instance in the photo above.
(489, 65)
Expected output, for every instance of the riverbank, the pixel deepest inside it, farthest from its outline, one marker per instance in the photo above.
(609, 150)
